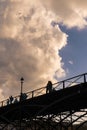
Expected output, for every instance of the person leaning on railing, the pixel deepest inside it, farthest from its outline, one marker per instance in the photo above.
(49, 87)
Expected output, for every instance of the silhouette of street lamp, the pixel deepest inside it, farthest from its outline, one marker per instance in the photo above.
(22, 81)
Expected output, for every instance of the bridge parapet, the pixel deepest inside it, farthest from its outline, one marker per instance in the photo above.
(76, 80)
(56, 86)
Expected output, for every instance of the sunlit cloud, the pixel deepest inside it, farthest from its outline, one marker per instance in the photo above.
(68, 12)
(29, 46)
(71, 62)
(30, 41)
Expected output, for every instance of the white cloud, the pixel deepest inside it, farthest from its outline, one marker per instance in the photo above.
(71, 13)
(71, 62)
(29, 44)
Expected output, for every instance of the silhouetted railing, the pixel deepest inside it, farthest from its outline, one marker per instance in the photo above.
(71, 82)
(56, 86)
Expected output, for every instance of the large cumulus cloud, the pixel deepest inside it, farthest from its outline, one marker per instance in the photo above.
(30, 43)
(71, 13)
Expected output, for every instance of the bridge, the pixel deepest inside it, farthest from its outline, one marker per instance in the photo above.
(65, 108)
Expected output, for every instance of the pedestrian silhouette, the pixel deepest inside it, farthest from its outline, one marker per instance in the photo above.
(11, 99)
(49, 87)
(23, 96)
(15, 101)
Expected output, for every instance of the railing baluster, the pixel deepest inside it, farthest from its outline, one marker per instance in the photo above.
(2, 103)
(63, 84)
(32, 94)
(84, 78)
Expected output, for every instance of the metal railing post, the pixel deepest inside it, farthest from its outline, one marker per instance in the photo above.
(32, 94)
(63, 84)
(84, 78)
(2, 103)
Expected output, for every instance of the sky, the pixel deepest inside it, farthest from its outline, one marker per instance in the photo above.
(74, 53)
(41, 41)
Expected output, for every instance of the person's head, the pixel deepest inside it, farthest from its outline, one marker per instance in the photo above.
(49, 81)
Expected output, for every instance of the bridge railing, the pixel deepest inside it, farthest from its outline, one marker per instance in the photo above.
(36, 92)
(71, 82)
(56, 86)
(31, 94)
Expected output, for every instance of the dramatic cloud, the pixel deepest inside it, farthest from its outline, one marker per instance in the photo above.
(30, 40)
(29, 45)
(72, 13)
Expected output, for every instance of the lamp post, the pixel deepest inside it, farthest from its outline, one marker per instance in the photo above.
(22, 81)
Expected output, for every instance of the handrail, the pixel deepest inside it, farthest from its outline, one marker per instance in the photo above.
(70, 78)
(56, 86)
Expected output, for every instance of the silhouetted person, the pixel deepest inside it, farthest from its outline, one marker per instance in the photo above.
(23, 96)
(15, 101)
(11, 99)
(49, 87)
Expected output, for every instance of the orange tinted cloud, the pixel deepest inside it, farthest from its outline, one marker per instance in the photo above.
(29, 44)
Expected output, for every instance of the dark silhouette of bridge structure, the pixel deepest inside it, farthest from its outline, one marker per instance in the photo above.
(61, 109)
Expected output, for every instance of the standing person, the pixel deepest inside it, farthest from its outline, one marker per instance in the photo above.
(11, 99)
(49, 87)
